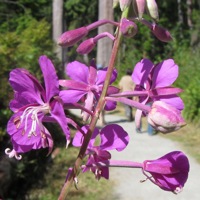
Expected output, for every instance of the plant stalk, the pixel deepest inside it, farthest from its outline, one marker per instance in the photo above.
(95, 117)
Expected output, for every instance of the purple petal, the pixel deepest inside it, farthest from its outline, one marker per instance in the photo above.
(22, 135)
(112, 90)
(101, 75)
(113, 136)
(19, 101)
(92, 73)
(71, 84)
(77, 71)
(110, 105)
(164, 91)
(141, 71)
(78, 138)
(21, 148)
(50, 77)
(25, 86)
(71, 96)
(88, 105)
(164, 74)
(174, 101)
(57, 112)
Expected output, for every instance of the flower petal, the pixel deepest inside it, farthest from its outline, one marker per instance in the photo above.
(113, 136)
(71, 84)
(71, 96)
(22, 133)
(141, 71)
(25, 86)
(88, 105)
(78, 138)
(77, 71)
(50, 77)
(164, 74)
(92, 73)
(101, 75)
(174, 101)
(57, 112)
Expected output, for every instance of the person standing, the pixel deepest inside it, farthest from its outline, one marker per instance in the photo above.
(126, 84)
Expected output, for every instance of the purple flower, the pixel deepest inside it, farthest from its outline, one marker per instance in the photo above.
(86, 83)
(112, 137)
(169, 172)
(156, 80)
(32, 105)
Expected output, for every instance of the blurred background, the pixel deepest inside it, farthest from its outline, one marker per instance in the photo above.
(30, 28)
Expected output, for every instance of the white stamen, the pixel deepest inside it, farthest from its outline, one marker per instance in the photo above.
(12, 153)
(178, 190)
(34, 111)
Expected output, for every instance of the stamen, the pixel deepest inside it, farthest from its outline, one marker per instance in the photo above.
(12, 154)
(31, 113)
(17, 122)
(177, 190)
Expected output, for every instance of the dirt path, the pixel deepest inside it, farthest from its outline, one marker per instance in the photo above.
(141, 147)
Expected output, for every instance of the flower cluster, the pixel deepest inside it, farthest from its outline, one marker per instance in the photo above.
(91, 90)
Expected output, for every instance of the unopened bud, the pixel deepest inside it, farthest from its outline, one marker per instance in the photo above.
(128, 28)
(153, 9)
(165, 118)
(161, 33)
(124, 4)
(139, 7)
(86, 46)
(71, 37)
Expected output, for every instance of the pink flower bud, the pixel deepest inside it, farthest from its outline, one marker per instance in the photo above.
(124, 4)
(71, 37)
(165, 118)
(170, 172)
(139, 7)
(153, 9)
(86, 46)
(161, 33)
(128, 28)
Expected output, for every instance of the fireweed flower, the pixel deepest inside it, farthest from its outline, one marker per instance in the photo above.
(32, 105)
(156, 81)
(169, 172)
(112, 137)
(86, 83)
(165, 117)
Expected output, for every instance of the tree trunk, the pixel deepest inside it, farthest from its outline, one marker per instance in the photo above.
(189, 13)
(57, 26)
(104, 46)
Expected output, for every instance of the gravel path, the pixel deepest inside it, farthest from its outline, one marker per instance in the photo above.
(141, 147)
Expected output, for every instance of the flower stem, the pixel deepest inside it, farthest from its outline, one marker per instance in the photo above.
(116, 163)
(98, 109)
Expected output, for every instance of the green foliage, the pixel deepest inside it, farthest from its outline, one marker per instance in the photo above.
(21, 48)
(189, 79)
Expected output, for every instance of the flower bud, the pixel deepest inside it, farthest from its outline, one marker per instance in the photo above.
(124, 4)
(161, 33)
(153, 9)
(71, 37)
(128, 28)
(86, 46)
(139, 7)
(165, 118)
(170, 172)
